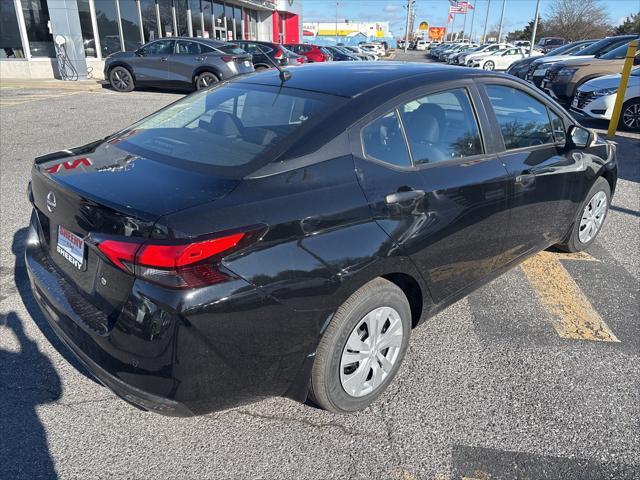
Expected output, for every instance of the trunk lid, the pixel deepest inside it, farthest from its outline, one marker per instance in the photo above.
(109, 192)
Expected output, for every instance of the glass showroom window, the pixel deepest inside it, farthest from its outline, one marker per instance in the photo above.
(87, 28)
(196, 18)
(107, 17)
(36, 19)
(228, 15)
(10, 43)
(166, 18)
(130, 24)
(149, 20)
(218, 13)
(237, 21)
(182, 21)
(208, 19)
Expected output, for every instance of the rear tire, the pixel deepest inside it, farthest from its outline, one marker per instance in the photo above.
(362, 348)
(205, 80)
(489, 65)
(121, 79)
(589, 219)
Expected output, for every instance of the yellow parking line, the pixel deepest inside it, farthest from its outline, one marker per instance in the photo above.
(573, 315)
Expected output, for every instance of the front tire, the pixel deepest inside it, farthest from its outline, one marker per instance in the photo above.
(121, 79)
(489, 65)
(590, 218)
(362, 348)
(630, 116)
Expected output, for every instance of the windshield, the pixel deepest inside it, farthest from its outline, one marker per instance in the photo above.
(601, 46)
(636, 72)
(616, 54)
(230, 128)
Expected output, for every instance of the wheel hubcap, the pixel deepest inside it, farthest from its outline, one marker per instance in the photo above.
(121, 79)
(631, 116)
(592, 217)
(371, 351)
(488, 66)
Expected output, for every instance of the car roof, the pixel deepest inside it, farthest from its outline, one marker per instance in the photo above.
(348, 79)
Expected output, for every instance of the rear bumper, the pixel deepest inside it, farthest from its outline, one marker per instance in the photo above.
(162, 354)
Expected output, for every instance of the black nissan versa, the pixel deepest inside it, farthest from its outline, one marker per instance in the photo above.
(262, 238)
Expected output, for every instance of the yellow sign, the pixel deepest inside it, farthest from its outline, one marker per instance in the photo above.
(423, 26)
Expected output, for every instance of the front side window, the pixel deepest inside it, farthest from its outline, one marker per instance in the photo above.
(382, 140)
(441, 126)
(162, 47)
(229, 129)
(558, 127)
(523, 120)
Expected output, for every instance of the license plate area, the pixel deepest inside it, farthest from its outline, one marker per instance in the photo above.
(71, 247)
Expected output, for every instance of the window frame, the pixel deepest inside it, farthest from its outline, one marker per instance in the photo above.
(525, 89)
(488, 153)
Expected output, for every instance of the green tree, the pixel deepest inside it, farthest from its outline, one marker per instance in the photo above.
(630, 25)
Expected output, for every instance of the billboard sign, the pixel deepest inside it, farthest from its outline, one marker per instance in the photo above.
(437, 33)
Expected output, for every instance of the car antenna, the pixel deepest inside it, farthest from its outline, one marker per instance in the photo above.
(284, 74)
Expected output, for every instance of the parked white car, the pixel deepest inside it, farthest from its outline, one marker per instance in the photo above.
(596, 98)
(376, 48)
(502, 59)
(483, 51)
(422, 45)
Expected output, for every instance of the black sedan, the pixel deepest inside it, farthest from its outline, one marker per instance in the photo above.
(264, 239)
(191, 63)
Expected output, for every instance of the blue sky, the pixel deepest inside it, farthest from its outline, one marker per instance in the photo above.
(517, 14)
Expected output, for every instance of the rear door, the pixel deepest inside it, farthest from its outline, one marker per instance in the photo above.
(187, 57)
(434, 186)
(546, 179)
(151, 64)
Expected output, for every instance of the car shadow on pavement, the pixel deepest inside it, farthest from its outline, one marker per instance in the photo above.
(27, 379)
(24, 290)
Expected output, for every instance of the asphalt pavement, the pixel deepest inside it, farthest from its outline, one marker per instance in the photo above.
(499, 385)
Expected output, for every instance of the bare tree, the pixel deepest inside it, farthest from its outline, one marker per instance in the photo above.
(577, 19)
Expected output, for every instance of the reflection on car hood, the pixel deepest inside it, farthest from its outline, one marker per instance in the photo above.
(610, 81)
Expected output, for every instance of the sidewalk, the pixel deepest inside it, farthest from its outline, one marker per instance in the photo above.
(79, 86)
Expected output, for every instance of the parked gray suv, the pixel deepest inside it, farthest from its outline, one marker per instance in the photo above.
(192, 63)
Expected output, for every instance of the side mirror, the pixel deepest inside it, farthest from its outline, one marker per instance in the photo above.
(580, 137)
(636, 60)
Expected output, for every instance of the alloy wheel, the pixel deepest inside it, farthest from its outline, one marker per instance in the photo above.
(206, 80)
(121, 79)
(371, 351)
(631, 116)
(592, 217)
(488, 65)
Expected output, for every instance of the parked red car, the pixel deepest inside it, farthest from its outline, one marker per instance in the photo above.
(313, 53)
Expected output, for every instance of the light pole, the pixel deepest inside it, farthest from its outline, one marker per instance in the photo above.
(337, 3)
(504, 3)
(486, 23)
(473, 18)
(406, 27)
(535, 27)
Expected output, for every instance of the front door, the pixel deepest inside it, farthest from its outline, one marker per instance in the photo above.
(435, 188)
(151, 62)
(547, 180)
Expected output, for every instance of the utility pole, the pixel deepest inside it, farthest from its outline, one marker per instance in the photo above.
(406, 27)
(486, 23)
(504, 3)
(337, 3)
(535, 27)
(473, 18)
(464, 24)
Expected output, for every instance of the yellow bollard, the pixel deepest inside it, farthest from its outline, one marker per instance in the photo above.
(617, 107)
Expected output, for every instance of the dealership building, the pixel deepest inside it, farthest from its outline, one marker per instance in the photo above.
(35, 34)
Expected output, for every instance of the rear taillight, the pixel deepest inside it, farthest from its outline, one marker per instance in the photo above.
(176, 265)
(279, 55)
(300, 60)
(228, 58)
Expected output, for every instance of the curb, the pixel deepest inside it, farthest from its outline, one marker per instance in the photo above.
(79, 86)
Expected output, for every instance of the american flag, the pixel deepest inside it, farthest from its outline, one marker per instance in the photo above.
(459, 8)
(466, 4)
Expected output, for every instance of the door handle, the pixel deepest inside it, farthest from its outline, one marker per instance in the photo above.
(199, 59)
(399, 197)
(525, 179)
(163, 59)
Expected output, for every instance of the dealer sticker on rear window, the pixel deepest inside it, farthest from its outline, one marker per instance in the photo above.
(71, 247)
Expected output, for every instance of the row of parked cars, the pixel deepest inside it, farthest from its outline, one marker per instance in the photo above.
(196, 63)
(583, 75)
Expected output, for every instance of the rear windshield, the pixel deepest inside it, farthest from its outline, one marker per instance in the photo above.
(231, 129)
(231, 49)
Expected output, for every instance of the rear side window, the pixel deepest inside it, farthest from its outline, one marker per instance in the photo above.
(230, 127)
(523, 120)
(188, 48)
(441, 126)
(383, 140)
